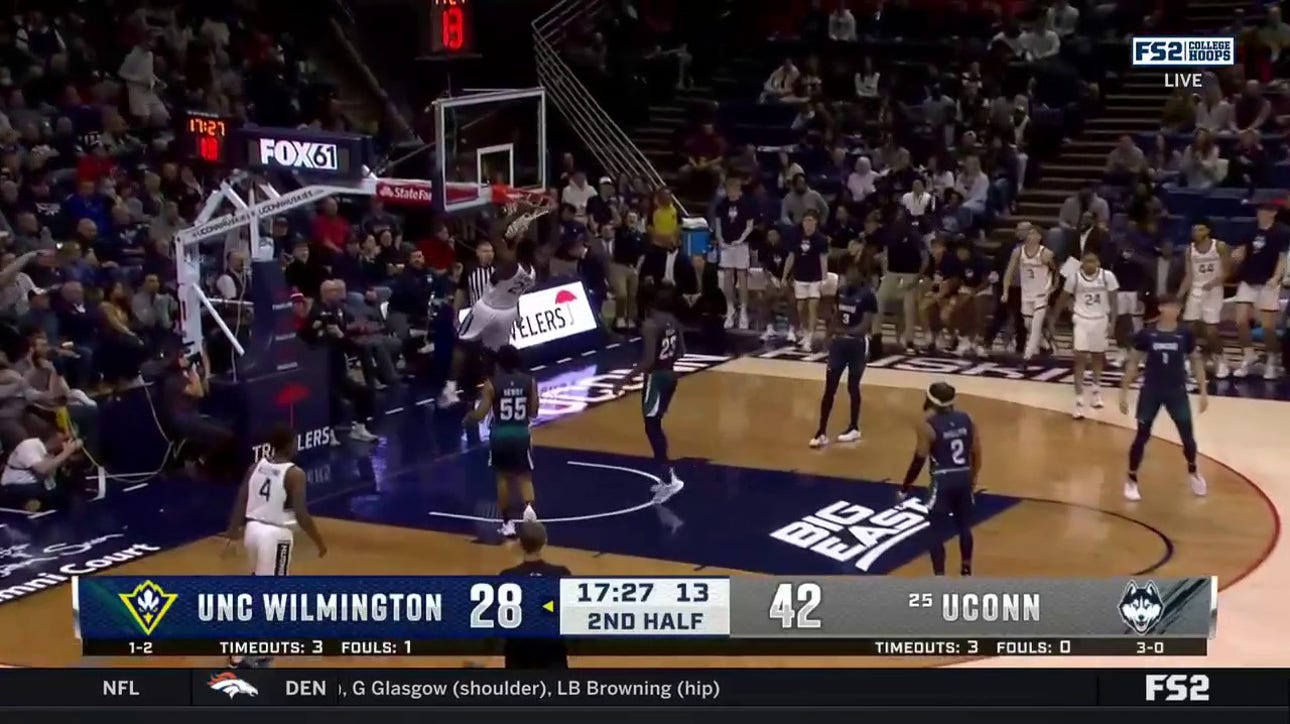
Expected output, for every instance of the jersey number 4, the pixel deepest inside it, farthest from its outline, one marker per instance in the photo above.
(265, 488)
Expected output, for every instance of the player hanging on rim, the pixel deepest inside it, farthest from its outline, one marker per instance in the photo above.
(491, 320)
(662, 345)
(1208, 263)
(1165, 345)
(1091, 290)
(1034, 263)
(270, 504)
(511, 395)
(848, 345)
(948, 439)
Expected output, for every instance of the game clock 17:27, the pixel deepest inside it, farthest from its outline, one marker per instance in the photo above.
(452, 27)
(204, 137)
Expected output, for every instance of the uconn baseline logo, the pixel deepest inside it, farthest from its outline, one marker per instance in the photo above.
(1167, 52)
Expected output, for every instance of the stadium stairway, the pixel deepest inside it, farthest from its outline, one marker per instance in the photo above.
(661, 136)
(1134, 107)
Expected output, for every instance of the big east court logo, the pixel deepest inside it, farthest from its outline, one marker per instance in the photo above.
(547, 315)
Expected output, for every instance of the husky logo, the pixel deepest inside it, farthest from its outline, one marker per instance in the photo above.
(227, 683)
(1141, 607)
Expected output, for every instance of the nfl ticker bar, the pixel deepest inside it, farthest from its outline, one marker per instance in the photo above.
(392, 616)
(962, 689)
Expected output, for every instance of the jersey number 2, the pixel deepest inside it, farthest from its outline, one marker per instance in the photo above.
(958, 451)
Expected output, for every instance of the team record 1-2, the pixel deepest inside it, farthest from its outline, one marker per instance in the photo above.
(390, 616)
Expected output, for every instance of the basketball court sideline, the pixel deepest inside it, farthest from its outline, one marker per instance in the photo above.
(1052, 505)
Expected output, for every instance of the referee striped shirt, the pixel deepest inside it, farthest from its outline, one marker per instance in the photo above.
(477, 282)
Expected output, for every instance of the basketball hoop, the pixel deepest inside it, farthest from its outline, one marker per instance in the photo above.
(538, 204)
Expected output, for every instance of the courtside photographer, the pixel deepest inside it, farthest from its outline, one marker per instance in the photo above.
(329, 325)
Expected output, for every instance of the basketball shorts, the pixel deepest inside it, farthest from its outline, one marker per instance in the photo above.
(660, 386)
(1204, 305)
(510, 453)
(489, 326)
(806, 290)
(1176, 404)
(1033, 303)
(735, 256)
(1129, 304)
(950, 493)
(849, 354)
(1089, 334)
(269, 547)
(1264, 297)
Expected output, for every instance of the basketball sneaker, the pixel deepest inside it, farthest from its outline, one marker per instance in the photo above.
(1096, 402)
(964, 347)
(449, 396)
(743, 319)
(530, 515)
(1247, 363)
(769, 334)
(1270, 369)
(819, 441)
(1198, 485)
(1221, 370)
(1078, 412)
(1119, 358)
(790, 336)
(667, 490)
(507, 529)
(360, 433)
(1131, 491)
(852, 435)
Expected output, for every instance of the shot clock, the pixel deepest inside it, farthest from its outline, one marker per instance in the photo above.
(452, 27)
(204, 137)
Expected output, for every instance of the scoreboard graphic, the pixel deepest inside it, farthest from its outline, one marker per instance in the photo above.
(390, 616)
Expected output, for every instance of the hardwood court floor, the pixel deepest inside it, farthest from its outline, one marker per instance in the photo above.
(1072, 520)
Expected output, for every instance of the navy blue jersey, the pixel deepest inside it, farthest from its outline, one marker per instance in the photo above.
(735, 218)
(852, 304)
(1166, 353)
(773, 257)
(951, 449)
(511, 413)
(975, 272)
(808, 262)
(668, 346)
(1261, 254)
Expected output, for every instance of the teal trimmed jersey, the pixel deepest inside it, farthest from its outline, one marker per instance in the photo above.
(508, 442)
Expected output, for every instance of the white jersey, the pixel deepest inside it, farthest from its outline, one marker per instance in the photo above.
(266, 500)
(1206, 266)
(506, 294)
(1092, 295)
(1035, 273)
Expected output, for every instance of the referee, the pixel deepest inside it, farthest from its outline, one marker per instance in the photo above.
(535, 653)
(476, 282)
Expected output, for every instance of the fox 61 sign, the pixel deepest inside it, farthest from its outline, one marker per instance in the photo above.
(320, 155)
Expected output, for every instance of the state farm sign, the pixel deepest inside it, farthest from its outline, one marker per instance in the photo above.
(403, 193)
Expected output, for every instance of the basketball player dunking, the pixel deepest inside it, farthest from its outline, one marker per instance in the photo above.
(270, 503)
(1034, 263)
(1091, 290)
(848, 331)
(948, 439)
(662, 346)
(1208, 263)
(1166, 345)
(491, 320)
(511, 395)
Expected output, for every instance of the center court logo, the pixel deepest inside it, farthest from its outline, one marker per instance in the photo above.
(26, 569)
(849, 532)
(147, 605)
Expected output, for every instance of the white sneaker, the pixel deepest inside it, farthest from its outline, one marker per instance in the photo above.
(360, 433)
(665, 493)
(1078, 412)
(1198, 485)
(1119, 358)
(790, 336)
(530, 515)
(852, 435)
(804, 341)
(1131, 491)
(730, 320)
(1247, 363)
(769, 334)
(964, 349)
(450, 396)
(1096, 404)
(1270, 370)
(818, 442)
(1221, 370)
(743, 320)
(507, 529)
